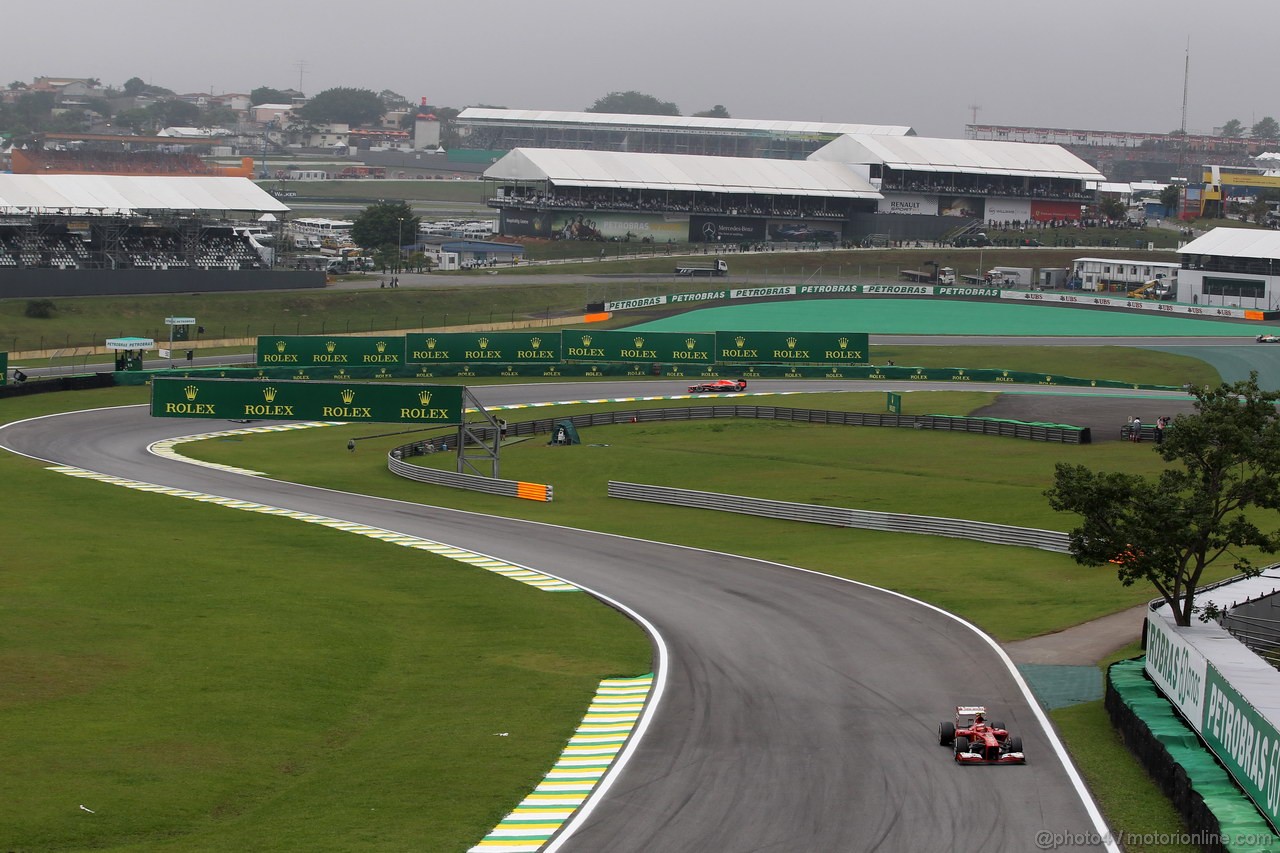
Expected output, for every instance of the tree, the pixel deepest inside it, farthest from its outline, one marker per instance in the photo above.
(1171, 198)
(393, 100)
(354, 106)
(1113, 208)
(1266, 128)
(1167, 532)
(633, 103)
(267, 95)
(718, 111)
(174, 114)
(1233, 129)
(384, 224)
(219, 117)
(135, 86)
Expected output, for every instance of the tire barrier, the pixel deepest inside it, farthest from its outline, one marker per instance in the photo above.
(1214, 807)
(956, 528)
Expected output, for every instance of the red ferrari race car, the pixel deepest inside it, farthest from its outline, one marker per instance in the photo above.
(975, 741)
(717, 386)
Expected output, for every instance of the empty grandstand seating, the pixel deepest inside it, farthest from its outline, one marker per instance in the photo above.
(137, 248)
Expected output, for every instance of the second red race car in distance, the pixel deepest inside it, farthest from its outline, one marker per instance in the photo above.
(975, 741)
(718, 386)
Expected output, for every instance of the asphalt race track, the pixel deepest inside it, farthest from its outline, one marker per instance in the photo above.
(795, 712)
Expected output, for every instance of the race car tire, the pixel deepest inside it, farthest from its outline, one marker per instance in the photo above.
(1014, 743)
(999, 725)
(961, 745)
(946, 733)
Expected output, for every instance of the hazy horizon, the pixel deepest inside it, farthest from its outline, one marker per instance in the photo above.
(928, 64)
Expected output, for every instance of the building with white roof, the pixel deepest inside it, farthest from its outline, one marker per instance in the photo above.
(492, 131)
(604, 195)
(992, 182)
(1236, 267)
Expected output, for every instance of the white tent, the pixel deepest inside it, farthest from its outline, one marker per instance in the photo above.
(680, 172)
(924, 154)
(131, 194)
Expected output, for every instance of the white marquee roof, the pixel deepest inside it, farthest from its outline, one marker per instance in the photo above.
(127, 194)
(724, 125)
(1236, 243)
(924, 154)
(680, 172)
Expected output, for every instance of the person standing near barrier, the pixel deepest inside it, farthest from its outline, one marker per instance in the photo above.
(1135, 430)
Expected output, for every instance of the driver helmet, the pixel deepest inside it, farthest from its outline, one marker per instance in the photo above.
(978, 719)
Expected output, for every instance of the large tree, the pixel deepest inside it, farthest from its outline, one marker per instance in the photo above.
(1171, 198)
(385, 224)
(268, 95)
(1266, 128)
(633, 103)
(1224, 473)
(1233, 129)
(354, 106)
(718, 111)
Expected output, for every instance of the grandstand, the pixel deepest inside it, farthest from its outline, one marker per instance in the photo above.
(489, 133)
(106, 154)
(77, 234)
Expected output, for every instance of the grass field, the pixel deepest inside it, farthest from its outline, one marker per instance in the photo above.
(203, 680)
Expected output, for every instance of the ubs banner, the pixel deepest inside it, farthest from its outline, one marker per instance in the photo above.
(503, 347)
(691, 348)
(303, 350)
(306, 401)
(792, 347)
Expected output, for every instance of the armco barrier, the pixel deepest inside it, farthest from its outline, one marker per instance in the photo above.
(957, 528)
(470, 482)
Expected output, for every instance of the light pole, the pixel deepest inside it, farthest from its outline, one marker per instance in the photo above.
(399, 241)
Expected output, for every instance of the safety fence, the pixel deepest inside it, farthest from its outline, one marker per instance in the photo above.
(1060, 433)
(891, 522)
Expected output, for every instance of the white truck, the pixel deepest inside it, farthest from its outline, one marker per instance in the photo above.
(720, 267)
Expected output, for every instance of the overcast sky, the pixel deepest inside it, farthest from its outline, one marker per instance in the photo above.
(1090, 64)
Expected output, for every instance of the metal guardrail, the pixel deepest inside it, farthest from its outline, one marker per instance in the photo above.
(956, 528)
(470, 482)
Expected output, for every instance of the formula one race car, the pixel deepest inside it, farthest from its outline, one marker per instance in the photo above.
(975, 741)
(1268, 339)
(719, 385)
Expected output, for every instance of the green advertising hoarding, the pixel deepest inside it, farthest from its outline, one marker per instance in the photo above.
(305, 401)
(339, 350)
(4, 368)
(673, 347)
(474, 347)
(792, 347)
(1244, 741)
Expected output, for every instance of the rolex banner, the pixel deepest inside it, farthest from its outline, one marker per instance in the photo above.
(341, 350)
(792, 347)
(672, 347)
(476, 347)
(306, 401)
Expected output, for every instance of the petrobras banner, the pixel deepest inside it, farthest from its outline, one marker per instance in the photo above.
(759, 292)
(1000, 210)
(792, 347)
(1246, 743)
(674, 347)
(503, 347)
(643, 302)
(908, 204)
(1132, 304)
(699, 296)
(1177, 668)
(345, 351)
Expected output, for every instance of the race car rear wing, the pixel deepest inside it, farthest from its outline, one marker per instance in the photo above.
(970, 710)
